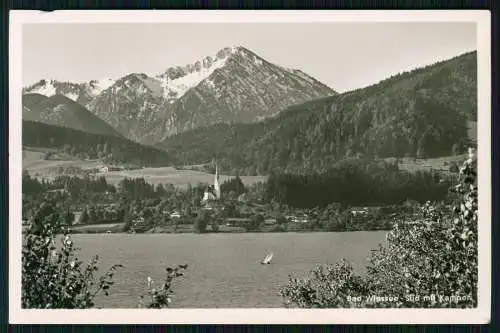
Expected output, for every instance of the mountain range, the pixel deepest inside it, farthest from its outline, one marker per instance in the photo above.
(421, 113)
(256, 116)
(233, 86)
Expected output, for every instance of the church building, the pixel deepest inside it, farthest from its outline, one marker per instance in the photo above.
(212, 193)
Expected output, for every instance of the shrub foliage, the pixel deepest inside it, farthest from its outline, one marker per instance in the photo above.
(52, 276)
(430, 262)
(161, 296)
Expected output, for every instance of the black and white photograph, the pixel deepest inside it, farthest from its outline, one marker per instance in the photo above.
(250, 167)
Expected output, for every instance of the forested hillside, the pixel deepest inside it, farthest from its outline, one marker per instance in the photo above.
(422, 113)
(88, 145)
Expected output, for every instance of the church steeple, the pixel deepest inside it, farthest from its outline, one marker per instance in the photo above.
(216, 182)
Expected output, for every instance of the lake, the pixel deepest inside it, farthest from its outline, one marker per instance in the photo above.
(224, 269)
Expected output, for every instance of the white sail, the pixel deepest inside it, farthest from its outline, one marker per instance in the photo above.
(268, 258)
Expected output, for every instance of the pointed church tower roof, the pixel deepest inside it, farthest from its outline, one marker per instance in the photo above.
(216, 182)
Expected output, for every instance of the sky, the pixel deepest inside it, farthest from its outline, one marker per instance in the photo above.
(344, 56)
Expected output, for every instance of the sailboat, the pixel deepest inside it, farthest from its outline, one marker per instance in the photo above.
(267, 259)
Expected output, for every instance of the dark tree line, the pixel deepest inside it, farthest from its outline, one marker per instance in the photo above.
(356, 182)
(234, 185)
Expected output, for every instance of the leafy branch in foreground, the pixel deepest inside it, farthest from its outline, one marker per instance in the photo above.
(52, 276)
(161, 297)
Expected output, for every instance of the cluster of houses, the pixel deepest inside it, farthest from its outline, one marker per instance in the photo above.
(209, 201)
(212, 194)
(139, 222)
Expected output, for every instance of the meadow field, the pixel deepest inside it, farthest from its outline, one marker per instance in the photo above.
(36, 165)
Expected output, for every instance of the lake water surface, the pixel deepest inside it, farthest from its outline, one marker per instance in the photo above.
(224, 269)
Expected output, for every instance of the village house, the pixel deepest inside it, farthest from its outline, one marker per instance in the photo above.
(108, 168)
(355, 211)
(77, 214)
(299, 218)
(175, 215)
(236, 221)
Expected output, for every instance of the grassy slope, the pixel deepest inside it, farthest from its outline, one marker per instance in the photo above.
(34, 163)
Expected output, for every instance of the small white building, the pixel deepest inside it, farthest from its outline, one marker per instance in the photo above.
(359, 211)
(300, 218)
(175, 214)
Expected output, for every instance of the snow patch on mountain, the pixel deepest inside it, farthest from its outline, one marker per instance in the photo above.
(72, 96)
(177, 81)
(178, 87)
(257, 61)
(48, 89)
(98, 86)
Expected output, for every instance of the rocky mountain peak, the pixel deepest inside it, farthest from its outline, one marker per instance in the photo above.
(232, 85)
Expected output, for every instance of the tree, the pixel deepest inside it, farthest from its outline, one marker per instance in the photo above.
(254, 223)
(281, 222)
(229, 209)
(52, 277)
(93, 215)
(116, 153)
(160, 190)
(215, 225)
(453, 167)
(105, 149)
(421, 153)
(84, 217)
(127, 220)
(233, 185)
(67, 149)
(69, 217)
(201, 222)
(148, 216)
